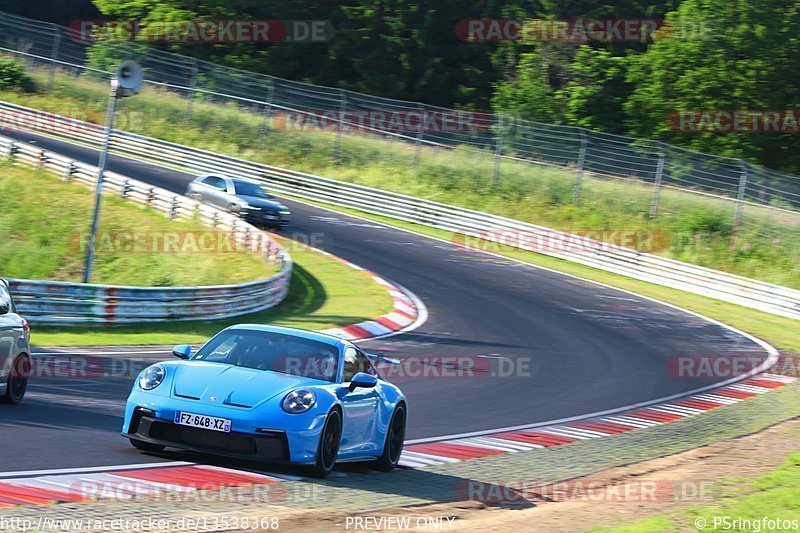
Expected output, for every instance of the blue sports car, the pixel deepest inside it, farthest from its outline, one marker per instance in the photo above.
(270, 394)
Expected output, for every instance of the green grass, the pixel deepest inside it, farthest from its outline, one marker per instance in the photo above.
(775, 495)
(321, 296)
(43, 228)
(698, 228)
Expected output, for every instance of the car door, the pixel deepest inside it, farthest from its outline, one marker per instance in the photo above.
(10, 332)
(215, 191)
(360, 407)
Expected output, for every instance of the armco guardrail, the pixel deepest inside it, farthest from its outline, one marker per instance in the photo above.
(54, 302)
(747, 292)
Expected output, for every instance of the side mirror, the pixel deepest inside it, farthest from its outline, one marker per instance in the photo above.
(363, 380)
(182, 351)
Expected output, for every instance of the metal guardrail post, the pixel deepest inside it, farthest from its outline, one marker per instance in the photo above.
(267, 113)
(737, 218)
(69, 169)
(192, 84)
(576, 191)
(9, 155)
(657, 185)
(498, 149)
(54, 56)
(337, 141)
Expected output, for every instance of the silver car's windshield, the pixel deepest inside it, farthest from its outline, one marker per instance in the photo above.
(245, 188)
(276, 352)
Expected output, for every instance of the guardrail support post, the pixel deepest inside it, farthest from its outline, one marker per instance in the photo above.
(338, 139)
(173, 208)
(657, 186)
(192, 84)
(498, 149)
(68, 170)
(737, 218)
(54, 56)
(12, 148)
(42, 158)
(267, 113)
(576, 191)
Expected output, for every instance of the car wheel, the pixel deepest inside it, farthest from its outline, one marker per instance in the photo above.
(18, 380)
(328, 447)
(146, 446)
(395, 436)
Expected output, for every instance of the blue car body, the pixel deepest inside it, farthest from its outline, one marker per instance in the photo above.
(252, 400)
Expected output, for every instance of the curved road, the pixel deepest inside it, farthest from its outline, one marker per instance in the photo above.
(552, 346)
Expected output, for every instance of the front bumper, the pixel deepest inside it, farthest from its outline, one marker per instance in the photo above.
(271, 447)
(255, 435)
(263, 217)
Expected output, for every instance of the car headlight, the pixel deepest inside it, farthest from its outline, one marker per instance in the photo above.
(152, 377)
(299, 401)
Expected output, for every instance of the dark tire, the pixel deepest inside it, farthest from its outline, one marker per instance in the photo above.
(17, 380)
(395, 435)
(146, 446)
(328, 447)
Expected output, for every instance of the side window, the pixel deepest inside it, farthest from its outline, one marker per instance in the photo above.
(6, 305)
(355, 362)
(217, 183)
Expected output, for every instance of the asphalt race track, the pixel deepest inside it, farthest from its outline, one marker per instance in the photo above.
(554, 346)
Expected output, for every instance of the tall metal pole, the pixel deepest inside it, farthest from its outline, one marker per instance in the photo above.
(498, 149)
(101, 166)
(737, 218)
(576, 191)
(54, 56)
(192, 84)
(267, 113)
(659, 178)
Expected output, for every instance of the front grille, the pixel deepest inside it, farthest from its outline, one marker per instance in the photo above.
(203, 438)
(273, 446)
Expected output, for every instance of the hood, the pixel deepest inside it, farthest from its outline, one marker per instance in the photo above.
(230, 385)
(263, 202)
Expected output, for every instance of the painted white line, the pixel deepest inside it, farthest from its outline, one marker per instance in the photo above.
(91, 469)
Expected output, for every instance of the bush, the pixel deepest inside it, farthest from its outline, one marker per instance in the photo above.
(14, 76)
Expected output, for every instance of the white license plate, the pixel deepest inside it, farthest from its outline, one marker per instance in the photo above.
(202, 421)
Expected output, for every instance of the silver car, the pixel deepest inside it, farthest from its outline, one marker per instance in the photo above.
(240, 196)
(15, 349)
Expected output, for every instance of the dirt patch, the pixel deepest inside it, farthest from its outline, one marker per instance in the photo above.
(611, 497)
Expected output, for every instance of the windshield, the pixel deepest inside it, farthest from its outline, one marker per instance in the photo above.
(276, 352)
(245, 188)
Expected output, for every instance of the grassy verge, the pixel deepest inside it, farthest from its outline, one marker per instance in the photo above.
(775, 496)
(779, 331)
(321, 296)
(44, 223)
(698, 229)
